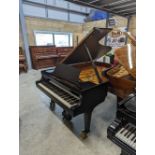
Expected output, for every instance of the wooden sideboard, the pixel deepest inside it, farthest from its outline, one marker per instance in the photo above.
(47, 56)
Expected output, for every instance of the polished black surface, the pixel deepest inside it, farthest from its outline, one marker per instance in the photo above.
(79, 54)
(122, 130)
(63, 86)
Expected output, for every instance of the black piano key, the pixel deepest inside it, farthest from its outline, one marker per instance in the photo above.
(75, 101)
(135, 141)
(70, 100)
(133, 137)
(64, 95)
(128, 131)
(124, 129)
(131, 132)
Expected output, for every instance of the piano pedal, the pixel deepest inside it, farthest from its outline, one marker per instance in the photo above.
(52, 105)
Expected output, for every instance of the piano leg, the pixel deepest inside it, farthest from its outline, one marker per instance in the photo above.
(87, 121)
(52, 105)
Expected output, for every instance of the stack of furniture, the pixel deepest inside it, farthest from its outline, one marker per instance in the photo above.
(22, 61)
(47, 56)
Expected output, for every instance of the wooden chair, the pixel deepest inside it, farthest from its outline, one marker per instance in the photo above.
(22, 61)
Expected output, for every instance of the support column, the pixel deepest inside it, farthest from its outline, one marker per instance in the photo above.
(24, 36)
(128, 23)
(107, 23)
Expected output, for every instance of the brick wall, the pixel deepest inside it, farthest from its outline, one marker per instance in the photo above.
(41, 24)
(78, 30)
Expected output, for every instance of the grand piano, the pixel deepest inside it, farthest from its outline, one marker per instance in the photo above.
(77, 84)
(122, 130)
(122, 77)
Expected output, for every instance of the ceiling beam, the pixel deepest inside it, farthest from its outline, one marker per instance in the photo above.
(134, 8)
(123, 6)
(94, 1)
(117, 2)
(130, 13)
(94, 6)
(54, 7)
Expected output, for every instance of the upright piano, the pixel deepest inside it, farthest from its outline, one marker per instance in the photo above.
(77, 84)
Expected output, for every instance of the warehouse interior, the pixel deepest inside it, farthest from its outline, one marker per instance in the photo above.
(49, 32)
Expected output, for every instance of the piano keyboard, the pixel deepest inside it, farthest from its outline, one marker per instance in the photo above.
(127, 135)
(66, 98)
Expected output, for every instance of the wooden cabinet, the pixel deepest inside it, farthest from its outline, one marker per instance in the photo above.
(47, 56)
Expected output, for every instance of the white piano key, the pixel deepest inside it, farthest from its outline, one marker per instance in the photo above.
(56, 96)
(133, 142)
(126, 134)
(65, 90)
(119, 133)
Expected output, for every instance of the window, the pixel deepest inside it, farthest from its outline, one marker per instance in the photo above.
(59, 39)
(44, 39)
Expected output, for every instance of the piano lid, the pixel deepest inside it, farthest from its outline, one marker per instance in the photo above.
(127, 57)
(131, 37)
(79, 53)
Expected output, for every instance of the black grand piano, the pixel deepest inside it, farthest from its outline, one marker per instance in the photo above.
(65, 87)
(122, 130)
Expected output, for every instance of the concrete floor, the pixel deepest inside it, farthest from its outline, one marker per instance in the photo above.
(43, 132)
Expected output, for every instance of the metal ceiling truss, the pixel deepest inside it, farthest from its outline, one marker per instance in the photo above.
(53, 7)
(123, 8)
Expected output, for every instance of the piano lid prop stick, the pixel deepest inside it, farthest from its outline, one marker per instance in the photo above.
(93, 64)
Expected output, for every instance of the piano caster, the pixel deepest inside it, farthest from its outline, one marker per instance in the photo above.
(52, 105)
(66, 116)
(83, 135)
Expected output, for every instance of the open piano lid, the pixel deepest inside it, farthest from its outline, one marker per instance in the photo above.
(127, 57)
(79, 53)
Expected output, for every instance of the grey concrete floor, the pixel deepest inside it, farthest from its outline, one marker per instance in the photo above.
(43, 132)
